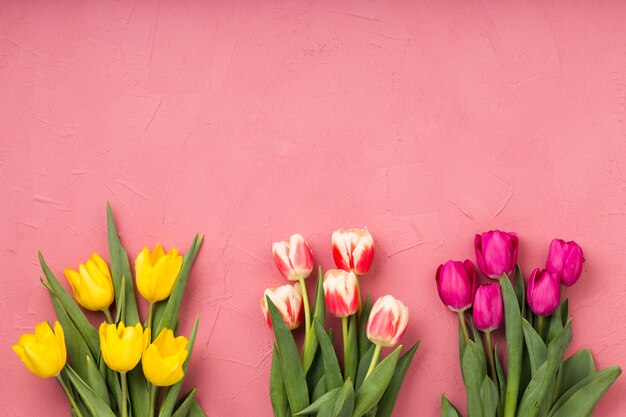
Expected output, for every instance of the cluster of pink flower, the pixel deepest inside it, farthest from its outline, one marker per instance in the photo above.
(353, 253)
(496, 255)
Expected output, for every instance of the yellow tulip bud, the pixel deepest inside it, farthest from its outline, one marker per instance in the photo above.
(163, 360)
(92, 284)
(122, 346)
(44, 352)
(156, 272)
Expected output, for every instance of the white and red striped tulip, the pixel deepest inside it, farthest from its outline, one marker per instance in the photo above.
(294, 259)
(288, 300)
(387, 321)
(353, 250)
(341, 292)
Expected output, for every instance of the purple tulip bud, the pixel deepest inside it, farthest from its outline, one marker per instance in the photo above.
(565, 259)
(496, 253)
(544, 292)
(456, 284)
(488, 310)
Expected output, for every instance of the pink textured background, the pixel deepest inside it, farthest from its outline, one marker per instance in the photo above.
(248, 121)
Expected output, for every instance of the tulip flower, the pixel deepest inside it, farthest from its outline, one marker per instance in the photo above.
(43, 352)
(156, 272)
(353, 250)
(456, 284)
(488, 310)
(122, 346)
(341, 292)
(288, 300)
(92, 284)
(488, 313)
(386, 325)
(565, 259)
(496, 253)
(544, 292)
(294, 259)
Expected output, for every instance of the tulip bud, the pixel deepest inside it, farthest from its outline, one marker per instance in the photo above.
(43, 352)
(288, 300)
(456, 284)
(488, 309)
(341, 292)
(353, 250)
(565, 259)
(294, 259)
(92, 284)
(387, 321)
(544, 292)
(156, 272)
(163, 360)
(496, 253)
(123, 346)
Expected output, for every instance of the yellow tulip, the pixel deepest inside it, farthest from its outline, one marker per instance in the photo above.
(156, 272)
(163, 360)
(44, 352)
(92, 284)
(122, 346)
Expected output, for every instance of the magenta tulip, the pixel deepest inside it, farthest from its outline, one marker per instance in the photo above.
(496, 253)
(456, 284)
(488, 310)
(544, 292)
(565, 259)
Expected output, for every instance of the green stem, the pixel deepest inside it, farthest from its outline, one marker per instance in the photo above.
(344, 327)
(463, 326)
(107, 314)
(492, 365)
(69, 396)
(307, 311)
(124, 394)
(374, 360)
(153, 391)
(150, 314)
(358, 287)
(540, 323)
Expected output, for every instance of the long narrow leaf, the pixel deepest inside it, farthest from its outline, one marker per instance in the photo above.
(185, 404)
(514, 345)
(319, 314)
(388, 401)
(374, 386)
(278, 395)
(537, 350)
(474, 372)
(331, 365)
(364, 342)
(92, 402)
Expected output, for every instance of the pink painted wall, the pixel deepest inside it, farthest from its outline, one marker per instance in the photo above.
(248, 121)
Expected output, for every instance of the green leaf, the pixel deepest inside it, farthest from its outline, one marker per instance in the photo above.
(139, 392)
(556, 350)
(364, 342)
(90, 399)
(581, 398)
(331, 365)
(320, 388)
(537, 350)
(290, 365)
(364, 364)
(317, 369)
(278, 395)
(88, 332)
(328, 397)
(388, 401)
(520, 292)
(474, 371)
(169, 314)
(576, 368)
(489, 397)
(447, 409)
(374, 386)
(514, 345)
(185, 404)
(195, 410)
(556, 324)
(319, 314)
(121, 268)
(113, 383)
(95, 380)
(344, 404)
(351, 361)
(170, 398)
(531, 399)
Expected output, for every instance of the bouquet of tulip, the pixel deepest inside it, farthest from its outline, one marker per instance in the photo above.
(314, 384)
(539, 382)
(102, 378)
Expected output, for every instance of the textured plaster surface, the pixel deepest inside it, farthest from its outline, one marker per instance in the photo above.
(426, 121)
